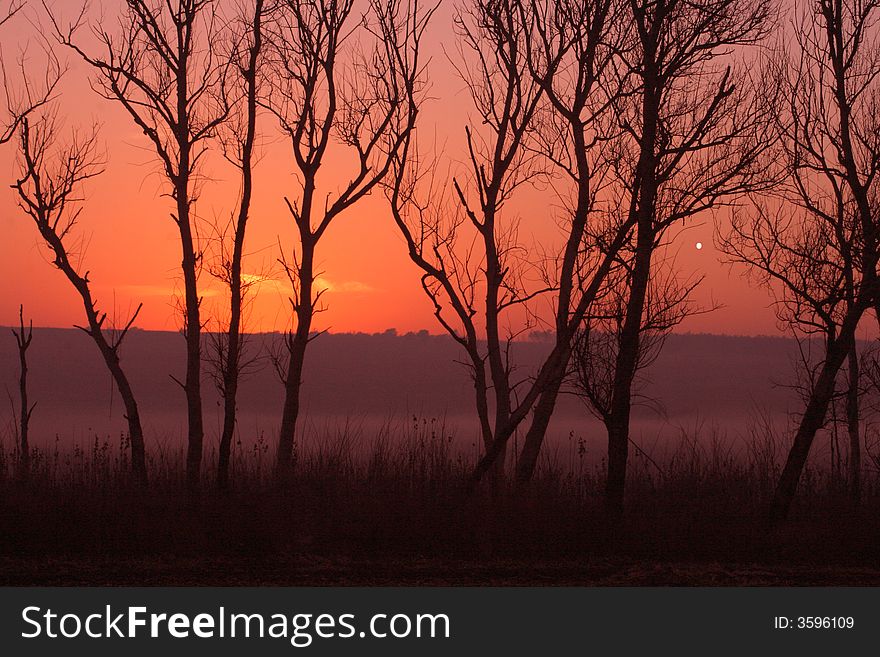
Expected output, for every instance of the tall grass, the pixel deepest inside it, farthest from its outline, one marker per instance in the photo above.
(397, 492)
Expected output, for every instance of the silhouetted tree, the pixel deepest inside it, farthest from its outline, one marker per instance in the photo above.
(845, 404)
(161, 66)
(8, 131)
(329, 91)
(815, 243)
(238, 140)
(23, 337)
(535, 75)
(575, 133)
(49, 189)
(690, 143)
(24, 96)
(597, 345)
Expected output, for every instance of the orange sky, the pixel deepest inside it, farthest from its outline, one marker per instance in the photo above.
(132, 247)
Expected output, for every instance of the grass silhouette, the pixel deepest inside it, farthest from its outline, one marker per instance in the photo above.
(388, 508)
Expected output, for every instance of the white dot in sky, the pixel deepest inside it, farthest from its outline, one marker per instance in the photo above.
(699, 245)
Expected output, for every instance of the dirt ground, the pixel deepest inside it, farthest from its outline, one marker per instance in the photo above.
(317, 571)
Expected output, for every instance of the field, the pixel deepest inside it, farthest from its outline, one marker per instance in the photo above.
(392, 511)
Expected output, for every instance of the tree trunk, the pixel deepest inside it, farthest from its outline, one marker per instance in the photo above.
(192, 323)
(552, 370)
(192, 383)
(23, 340)
(480, 388)
(290, 414)
(135, 430)
(298, 342)
(811, 421)
(109, 352)
(232, 371)
(230, 393)
(625, 367)
(488, 461)
(24, 446)
(629, 342)
(111, 359)
(110, 355)
(852, 423)
(528, 456)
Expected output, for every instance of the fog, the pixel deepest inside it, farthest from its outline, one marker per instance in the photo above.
(704, 385)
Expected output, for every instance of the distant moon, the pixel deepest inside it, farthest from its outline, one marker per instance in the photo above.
(699, 245)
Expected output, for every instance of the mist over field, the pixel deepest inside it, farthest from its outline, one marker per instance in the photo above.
(704, 384)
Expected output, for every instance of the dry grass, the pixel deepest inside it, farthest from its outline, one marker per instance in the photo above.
(395, 496)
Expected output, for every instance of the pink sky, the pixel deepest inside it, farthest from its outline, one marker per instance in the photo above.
(131, 247)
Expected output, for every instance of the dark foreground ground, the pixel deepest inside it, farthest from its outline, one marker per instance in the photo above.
(398, 515)
(318, 571)
(330, 537)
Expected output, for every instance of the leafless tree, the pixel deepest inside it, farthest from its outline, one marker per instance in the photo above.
(343, 82)
(506, 100)
(24, 95)
(23, 338)
(691, 137)
(9, 10)
(49, 189)
(238, 137)
(574, 134)
(535, 75)
(813, 335)
(8, 131)
(816, 243)
(161, 66)
(668, 302)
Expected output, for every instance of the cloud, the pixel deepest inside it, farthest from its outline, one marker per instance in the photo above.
(345, 286)
(257, 279)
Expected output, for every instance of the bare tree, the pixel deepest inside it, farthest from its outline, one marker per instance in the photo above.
(817, 245)
(574, 134)
(668, 302)
(814, 334)
(535, 75)
(8, 131)
(49, 191)
(23, 337)
(330, 91)
(506, 101)
(24, 95)
(691, 140)
(161, 66)
(238, 140)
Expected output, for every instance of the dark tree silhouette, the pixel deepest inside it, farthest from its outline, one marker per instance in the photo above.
(23, 338)
(161, 66)
(49, 189)
(597, 345)
(691, 137)
(815, 243)
(328, 91)
(24, 96)
(15, 114)
(536, 84)
(506, 101)
(238, 141)
(574, 134)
